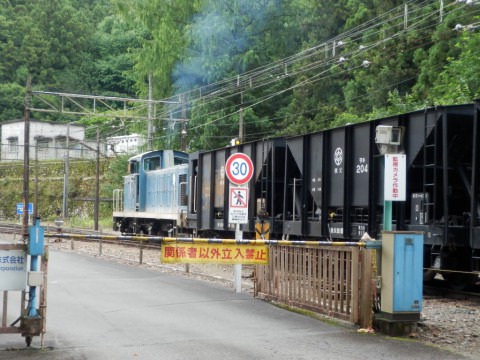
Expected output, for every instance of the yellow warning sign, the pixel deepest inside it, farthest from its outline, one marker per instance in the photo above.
(262, 229)
(215, 253)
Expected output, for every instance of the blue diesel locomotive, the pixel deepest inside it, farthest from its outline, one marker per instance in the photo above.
(154, 197)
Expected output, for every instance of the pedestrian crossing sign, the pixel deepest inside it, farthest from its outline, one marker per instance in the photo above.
(238, 205)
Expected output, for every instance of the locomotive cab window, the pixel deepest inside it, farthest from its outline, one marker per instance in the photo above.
(180, 160)
(152, 163)
(133, 167)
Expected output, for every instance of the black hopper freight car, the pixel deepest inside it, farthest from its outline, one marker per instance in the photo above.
(328, 185)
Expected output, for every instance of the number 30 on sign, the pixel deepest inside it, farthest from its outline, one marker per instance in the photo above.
(239, 168)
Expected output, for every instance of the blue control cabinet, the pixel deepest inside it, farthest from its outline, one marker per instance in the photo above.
(402, 274)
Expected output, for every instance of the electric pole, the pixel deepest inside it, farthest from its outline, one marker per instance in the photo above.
(183, 144)
(241, 126)
(26, 160)
(97, 183)
(150, 114)
(66, 174)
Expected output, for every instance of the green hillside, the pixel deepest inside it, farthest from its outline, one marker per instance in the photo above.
(82, 182)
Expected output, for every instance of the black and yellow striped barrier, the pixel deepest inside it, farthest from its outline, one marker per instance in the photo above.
(371, 244)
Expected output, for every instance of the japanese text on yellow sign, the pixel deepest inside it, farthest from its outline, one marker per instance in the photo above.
(215, 253)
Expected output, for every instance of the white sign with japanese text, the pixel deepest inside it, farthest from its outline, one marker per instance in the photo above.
(238, 201)
(13, 270)
(395, 185)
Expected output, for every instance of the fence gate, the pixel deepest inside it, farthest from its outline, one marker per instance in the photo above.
(332, 280)
(14, 319)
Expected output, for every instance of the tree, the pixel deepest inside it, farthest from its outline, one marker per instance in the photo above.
(114, 45)
(50, 40)
(458, 81)
(11, 101)
(163, 23)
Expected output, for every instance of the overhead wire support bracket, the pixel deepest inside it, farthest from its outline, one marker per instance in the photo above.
(107, 102)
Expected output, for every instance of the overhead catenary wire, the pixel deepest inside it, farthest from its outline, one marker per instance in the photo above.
(393, 36)
(276, 71)
(269, 71)
(326, 62)
(308, 81)
(297, 57)
(315, 109)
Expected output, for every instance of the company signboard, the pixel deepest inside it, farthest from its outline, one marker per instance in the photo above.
(13, 270)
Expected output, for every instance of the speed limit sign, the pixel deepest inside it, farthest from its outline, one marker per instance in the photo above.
(239, 168)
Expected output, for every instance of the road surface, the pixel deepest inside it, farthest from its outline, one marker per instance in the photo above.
(104, 310)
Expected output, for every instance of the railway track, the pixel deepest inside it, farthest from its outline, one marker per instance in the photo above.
(7, 228)
(10, 229)
(440, 288)
(17, 229)
(435, 288)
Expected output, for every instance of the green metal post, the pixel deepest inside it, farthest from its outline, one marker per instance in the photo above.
(387, 216)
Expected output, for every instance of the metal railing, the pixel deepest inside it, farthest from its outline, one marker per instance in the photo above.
(118, 200)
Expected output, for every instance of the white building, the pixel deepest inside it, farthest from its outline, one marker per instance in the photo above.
(48, 139)
(126, 144)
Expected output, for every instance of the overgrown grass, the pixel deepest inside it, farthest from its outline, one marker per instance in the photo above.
(104, 224)
(89, 223)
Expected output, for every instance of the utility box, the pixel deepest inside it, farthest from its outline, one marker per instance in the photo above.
(35, 278)
(402, 275)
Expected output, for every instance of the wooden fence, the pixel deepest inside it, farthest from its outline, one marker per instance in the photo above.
(332, 280)
(14, 304)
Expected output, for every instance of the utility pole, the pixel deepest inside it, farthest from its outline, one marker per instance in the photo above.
(150, 114)
(405, 19)
(35, 204)
(26, 160)
(183, 144)
(441, 10)
(66, 174)
(97, 182)
(241, 127)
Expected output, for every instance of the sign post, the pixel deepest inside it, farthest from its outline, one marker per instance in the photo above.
(239, 170)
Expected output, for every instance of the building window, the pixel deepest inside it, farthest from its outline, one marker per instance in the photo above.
(42, 145)
(13, 146)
